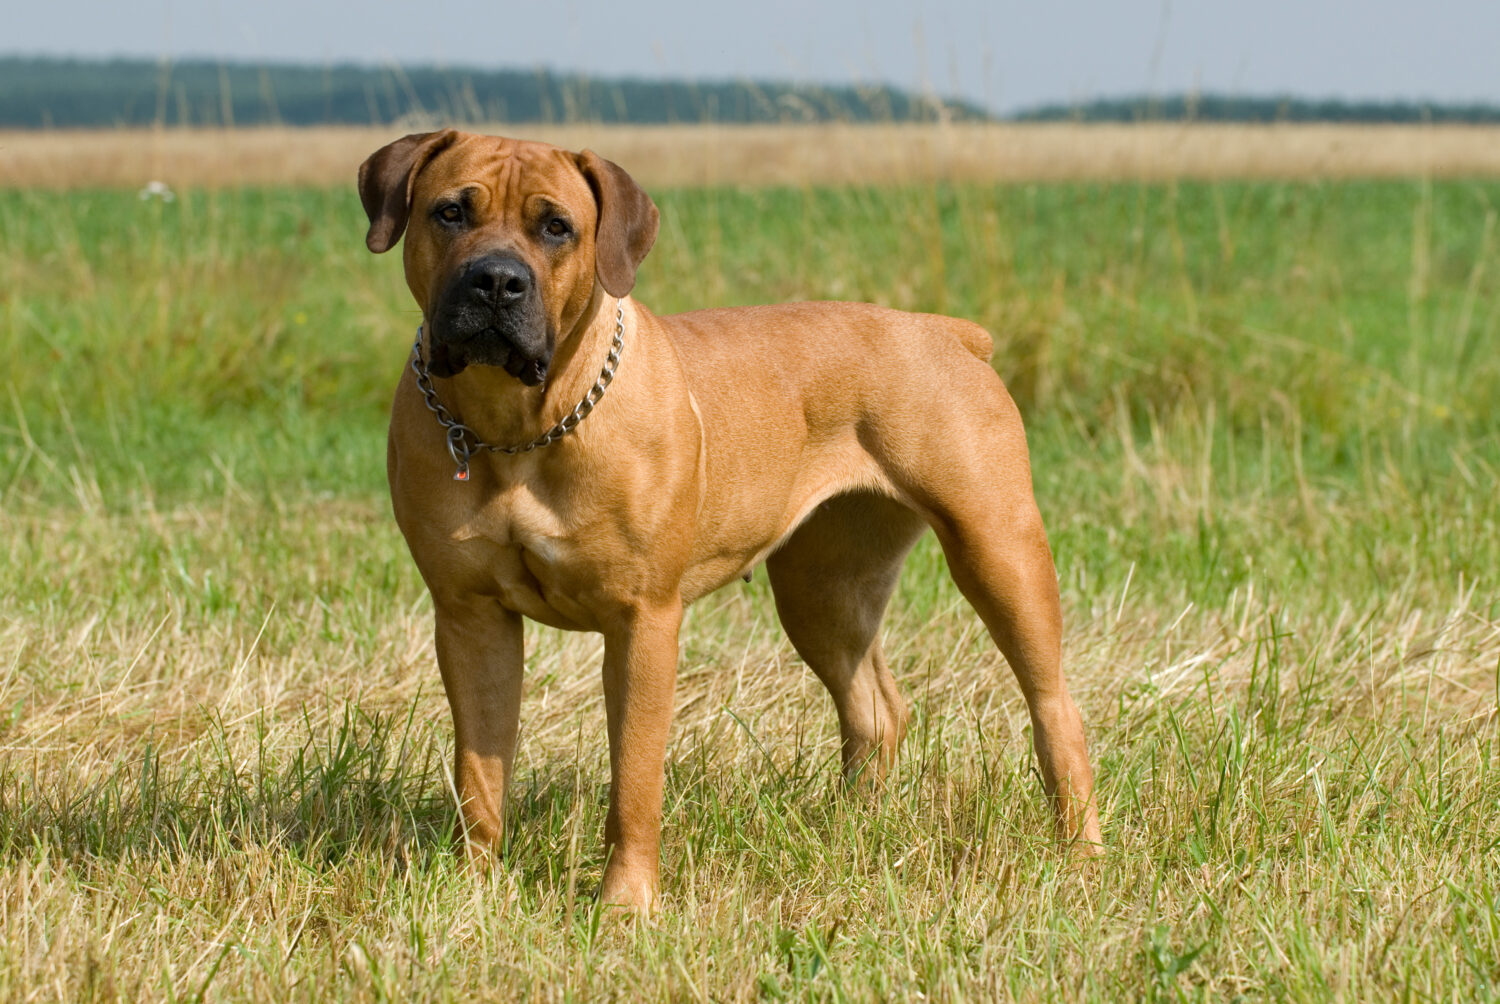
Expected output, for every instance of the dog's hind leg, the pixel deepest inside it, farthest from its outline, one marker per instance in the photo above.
(1004, 568)
(832, 579)
(979, 500)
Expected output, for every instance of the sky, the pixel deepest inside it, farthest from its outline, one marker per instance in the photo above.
(1005, 55)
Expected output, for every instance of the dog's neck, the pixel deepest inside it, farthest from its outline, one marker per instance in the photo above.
(503, 411)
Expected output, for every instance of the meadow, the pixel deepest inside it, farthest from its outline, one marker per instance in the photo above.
(1264, 436)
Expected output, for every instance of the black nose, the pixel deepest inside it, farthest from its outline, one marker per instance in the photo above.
(502, 281)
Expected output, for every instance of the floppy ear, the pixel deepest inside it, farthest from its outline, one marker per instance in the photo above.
(628, 222)
(386, 181)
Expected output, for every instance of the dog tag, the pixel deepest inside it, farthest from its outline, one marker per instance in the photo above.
(458, 449)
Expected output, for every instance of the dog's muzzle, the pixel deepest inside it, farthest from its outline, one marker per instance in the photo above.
(490, 314)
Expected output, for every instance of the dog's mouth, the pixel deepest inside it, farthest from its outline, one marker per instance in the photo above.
(451, 353)
(530, 372)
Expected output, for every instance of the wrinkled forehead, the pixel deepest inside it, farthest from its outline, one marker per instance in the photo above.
(507, 171)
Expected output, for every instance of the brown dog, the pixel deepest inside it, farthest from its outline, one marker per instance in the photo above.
(819, 438)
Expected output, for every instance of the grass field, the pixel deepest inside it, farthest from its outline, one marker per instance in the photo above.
(1265, 440)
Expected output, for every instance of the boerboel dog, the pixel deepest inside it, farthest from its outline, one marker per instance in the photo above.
(559, 452)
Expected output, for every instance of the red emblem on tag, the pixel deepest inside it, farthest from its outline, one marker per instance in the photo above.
(462, 474)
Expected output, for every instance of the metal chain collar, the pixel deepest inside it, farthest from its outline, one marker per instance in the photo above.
(459, 435)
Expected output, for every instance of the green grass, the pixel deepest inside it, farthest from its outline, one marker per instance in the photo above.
(1266, 444)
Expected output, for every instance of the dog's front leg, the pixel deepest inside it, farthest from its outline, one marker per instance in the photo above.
(481, 654)
(640, 675)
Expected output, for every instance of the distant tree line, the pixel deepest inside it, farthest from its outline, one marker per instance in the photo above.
(67, 93)
(1222, 108)
(62, 93)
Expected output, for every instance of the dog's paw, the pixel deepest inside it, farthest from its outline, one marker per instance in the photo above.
(634, 891)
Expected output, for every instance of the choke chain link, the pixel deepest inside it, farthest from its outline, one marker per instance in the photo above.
(459, 435)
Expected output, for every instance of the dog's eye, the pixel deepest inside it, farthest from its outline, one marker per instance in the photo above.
(558, 227)
(451, 213)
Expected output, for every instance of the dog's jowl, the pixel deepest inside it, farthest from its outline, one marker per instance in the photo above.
(559, 452)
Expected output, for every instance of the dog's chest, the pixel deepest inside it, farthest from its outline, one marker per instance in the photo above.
(526, 550)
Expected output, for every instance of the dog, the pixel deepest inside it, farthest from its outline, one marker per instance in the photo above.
(559, 452)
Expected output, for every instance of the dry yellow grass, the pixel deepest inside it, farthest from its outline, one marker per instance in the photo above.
(757, 155)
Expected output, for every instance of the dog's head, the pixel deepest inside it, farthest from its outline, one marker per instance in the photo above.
(505, 241)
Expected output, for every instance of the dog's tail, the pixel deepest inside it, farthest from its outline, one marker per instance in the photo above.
(974, 338)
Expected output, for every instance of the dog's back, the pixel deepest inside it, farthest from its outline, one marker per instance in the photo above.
(797, 335)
